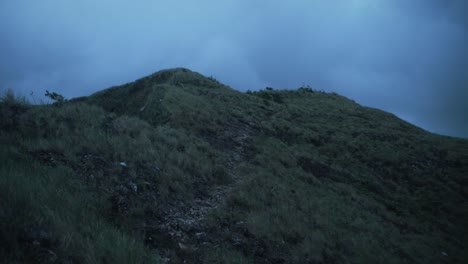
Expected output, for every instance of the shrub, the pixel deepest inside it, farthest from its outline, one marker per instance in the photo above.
(58, 99)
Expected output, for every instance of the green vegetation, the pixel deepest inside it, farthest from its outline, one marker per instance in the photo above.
(55, 97)
(47, 214)
(178, 167)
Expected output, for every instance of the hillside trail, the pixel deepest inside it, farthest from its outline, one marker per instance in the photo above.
(185, 223)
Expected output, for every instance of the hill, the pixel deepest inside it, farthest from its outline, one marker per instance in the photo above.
(178, 167)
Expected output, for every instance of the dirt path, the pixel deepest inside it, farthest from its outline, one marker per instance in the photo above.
(186, 223)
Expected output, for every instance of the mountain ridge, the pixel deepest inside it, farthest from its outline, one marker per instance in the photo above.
(197, 171)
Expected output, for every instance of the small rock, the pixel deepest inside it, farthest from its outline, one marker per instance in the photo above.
(200, 235)
(444, 254)
(238, 241)
(186, 248)
(240, 223)
(91, 177)
(132, 186)
(183, 246)
(123, 164)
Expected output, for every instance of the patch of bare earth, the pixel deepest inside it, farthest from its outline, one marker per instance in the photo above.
(186, 223)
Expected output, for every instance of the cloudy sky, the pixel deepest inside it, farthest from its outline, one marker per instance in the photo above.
(406, 57)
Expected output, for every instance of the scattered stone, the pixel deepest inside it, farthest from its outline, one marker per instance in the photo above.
(186, 248)
(183, 246)
(156, 168)
(165, 260)
(238, 241)
(133, 187)
(200, 236)
(123, 164)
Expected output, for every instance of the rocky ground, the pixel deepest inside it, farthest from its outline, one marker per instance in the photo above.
(185, 223)
(177, 229)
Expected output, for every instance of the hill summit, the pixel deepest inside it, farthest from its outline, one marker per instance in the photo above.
(176, 167)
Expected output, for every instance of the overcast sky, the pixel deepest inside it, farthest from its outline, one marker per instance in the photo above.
(408, 57)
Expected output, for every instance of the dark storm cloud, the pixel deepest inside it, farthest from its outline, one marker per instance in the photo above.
(406, 57)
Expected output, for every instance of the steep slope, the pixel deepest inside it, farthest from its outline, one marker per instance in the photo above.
(206, 174)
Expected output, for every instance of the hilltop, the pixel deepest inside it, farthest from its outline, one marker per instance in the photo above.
(178, 167)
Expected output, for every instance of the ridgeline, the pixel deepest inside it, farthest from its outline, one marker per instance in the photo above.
(179, 168)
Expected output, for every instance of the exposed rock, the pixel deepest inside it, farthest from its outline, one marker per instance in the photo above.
(184, 247)
(133, 187)
(185, 222)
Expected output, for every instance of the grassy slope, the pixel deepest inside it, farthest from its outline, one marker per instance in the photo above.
(319, 178)
(47, 214)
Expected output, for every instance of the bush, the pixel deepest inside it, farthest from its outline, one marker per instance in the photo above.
(58, 99)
